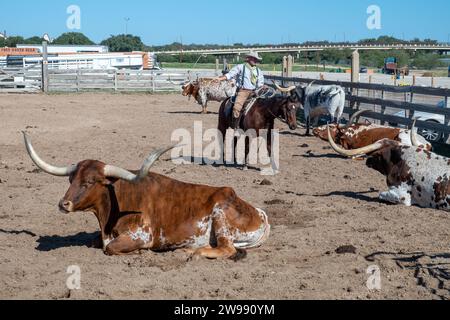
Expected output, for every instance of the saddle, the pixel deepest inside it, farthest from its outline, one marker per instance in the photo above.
(245, 110)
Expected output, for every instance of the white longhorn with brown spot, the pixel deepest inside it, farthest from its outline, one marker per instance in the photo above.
(205, 90)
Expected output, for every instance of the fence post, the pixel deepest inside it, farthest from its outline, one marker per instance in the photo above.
(225, 64)
(287, 66)
(44, 67)
(78, 80)
(414, 80)
(115, 80)
(355, 66)
(411, 100)
(153, 82)
(383, 108)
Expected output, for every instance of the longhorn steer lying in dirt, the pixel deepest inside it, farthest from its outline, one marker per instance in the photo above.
(415, 176)
(354, 136)
(142, 210)
(205, 90)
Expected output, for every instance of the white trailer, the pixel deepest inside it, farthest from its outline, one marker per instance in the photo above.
(55, 48)
(91, 61)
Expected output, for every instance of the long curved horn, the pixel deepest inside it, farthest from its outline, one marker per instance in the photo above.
(311, 84)
(356, 152)
(284, 90)
(44, 166)
(355, 118)
(152, 158)
(119, 173)
(414, 141)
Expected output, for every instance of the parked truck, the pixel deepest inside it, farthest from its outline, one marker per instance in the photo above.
(391, 67)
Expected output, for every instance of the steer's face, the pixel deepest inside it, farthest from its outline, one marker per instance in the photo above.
(322, 132)
(188, 89)
(88, 185)
(385, 159)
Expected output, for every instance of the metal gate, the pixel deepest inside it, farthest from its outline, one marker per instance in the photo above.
(21, 80)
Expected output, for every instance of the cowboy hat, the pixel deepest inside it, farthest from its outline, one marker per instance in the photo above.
(253, 54)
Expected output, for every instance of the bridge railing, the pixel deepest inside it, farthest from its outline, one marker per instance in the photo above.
(384, 102)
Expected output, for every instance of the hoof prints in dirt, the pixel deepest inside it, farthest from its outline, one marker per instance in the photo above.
(281, 213)
(164, 261)
(432, 271)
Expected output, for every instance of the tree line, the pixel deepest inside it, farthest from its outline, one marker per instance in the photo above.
(369, 58)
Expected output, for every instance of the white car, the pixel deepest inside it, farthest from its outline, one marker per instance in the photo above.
(430, 135)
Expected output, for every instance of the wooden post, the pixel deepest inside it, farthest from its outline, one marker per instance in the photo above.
(225, 64)
(78, 80)
(411, 100)
(317, 60)
(414, 80)
(217, 65)
(45, 67)
(287, 66)
(115, 80)
(432, 81)
(355, 66)
(153, 82)
(383, 108)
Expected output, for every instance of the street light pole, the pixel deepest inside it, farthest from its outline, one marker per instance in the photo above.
(126, 25)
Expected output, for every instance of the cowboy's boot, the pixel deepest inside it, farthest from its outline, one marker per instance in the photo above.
(235, 123)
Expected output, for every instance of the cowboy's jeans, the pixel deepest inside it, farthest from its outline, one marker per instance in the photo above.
(241, 98)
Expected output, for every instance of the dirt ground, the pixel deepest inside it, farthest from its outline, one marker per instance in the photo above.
(318, 203)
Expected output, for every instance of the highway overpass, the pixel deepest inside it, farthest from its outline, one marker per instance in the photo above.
(298, 49)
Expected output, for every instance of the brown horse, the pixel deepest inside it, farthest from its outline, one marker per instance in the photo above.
(263, 113)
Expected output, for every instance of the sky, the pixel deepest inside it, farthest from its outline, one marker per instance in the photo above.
(231, 21)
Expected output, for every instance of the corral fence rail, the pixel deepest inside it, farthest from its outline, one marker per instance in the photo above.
(29, 80)
(115, 80)
(363, 94)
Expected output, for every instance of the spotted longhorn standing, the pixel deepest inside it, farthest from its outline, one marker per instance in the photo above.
(142, 210)
(204, 90)
(415, 176)
(322, 100)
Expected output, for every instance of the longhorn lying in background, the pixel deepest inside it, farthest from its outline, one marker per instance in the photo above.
(358, 135)
(415, 176)
(142, 210)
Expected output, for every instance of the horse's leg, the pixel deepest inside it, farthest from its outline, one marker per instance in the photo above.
(205, 108)
(308, 125)
(247, 151)
(269, 142)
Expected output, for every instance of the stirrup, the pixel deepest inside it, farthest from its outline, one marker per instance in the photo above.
(235, 123)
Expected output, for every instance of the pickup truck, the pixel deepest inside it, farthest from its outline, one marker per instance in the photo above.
(430, 135)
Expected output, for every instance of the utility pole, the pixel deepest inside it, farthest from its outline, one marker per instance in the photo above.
(181, 49)
(126, 25)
